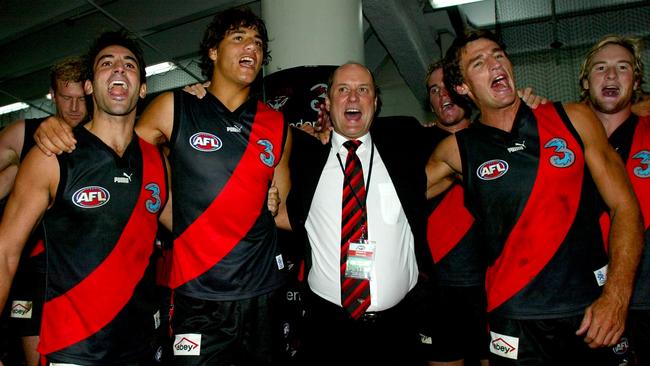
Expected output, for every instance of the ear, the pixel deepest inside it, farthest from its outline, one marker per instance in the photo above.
(143, 91)
(212, 54)
(88, 87)
(52, 93)
(327, 103)
(585, 84)
(376, 102)
(462, 89)
(635, 87)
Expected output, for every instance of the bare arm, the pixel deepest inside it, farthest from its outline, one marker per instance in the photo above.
(35, 186)
(531, 100)
(443, 167)
(11, 145)
(604, 320)
(166, 214)
(282, 180)
(157, 121)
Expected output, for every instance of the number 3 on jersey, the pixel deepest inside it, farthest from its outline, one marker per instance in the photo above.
(564, 157)
(267, 156)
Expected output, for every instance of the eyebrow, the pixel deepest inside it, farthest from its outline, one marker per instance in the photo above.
(492, 51)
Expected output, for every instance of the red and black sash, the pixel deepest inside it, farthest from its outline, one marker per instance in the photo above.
(97, 299)
(448, 223)
(547, 217)
(637, 167)
(219, 224)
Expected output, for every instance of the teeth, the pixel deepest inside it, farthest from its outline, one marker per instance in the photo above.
(118, 82)
(446, 104)
(352, 110)
(247, 59)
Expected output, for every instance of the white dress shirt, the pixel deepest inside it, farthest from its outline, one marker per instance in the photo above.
(395, 269)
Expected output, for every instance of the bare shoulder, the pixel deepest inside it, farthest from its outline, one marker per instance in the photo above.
(12, 137)
(156, 122)
(585, 121)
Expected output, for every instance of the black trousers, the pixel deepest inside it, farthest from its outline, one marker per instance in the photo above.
(333, 338)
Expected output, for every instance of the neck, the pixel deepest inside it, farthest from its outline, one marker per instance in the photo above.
(115, 131)
(612, 121)
(462, 124)
(501, 118)
(232, 96)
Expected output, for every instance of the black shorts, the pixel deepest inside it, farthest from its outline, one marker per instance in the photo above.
(26, 303)
(453, 323)
(548, 342)
(639, 331)
(223, 332)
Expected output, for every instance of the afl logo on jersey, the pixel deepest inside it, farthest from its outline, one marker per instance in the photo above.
(205, 142)
(91, 197)
(492, 169)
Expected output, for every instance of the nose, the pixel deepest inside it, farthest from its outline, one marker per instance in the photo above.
(353, 96)
(118, 66)
(610, 73)
(251, 44)
(493, 63)
(75, 104)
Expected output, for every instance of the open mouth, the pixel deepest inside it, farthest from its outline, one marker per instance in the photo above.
(500, 83)
(447, 105)
(611, 91)
(247, 61)
(118, 88)
(353, 114)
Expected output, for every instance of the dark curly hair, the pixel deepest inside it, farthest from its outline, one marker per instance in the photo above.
(452, 73)
(116, 38)
(225, 22)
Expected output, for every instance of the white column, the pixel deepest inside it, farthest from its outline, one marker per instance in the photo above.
(313, 32)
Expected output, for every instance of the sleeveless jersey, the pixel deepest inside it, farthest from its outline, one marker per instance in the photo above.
(101, 306)
(452, 236)
(225, 241)
(536, 202)
(632, 141)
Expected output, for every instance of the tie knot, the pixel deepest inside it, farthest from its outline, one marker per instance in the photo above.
(352, 145)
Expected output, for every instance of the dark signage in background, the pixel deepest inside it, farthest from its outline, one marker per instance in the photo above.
(298, 92)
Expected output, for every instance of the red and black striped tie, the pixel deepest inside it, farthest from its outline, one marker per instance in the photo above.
(355, 293)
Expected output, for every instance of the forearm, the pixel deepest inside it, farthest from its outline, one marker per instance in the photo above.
(7, 178)
(626, 244)
(8, 265)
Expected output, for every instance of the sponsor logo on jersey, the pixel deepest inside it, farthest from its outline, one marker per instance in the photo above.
(156, 320)
(188, 344)
(425, 339)
(235, 128)
(643, 170)
(621, 347)
(21, 309)
(492, 169)
(518, 146)
(564, 156)
(205, 142)
(125, 178)
(91, 197)
(504, 346)
(601, 276)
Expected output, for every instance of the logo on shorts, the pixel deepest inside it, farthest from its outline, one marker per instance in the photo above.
(621, 347)
(504, 346)
(21, 309)
(188, 344)
(205, 142)
(91, 197)
(492, 169)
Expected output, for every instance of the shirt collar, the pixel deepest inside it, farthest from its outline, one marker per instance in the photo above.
(338, 140)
